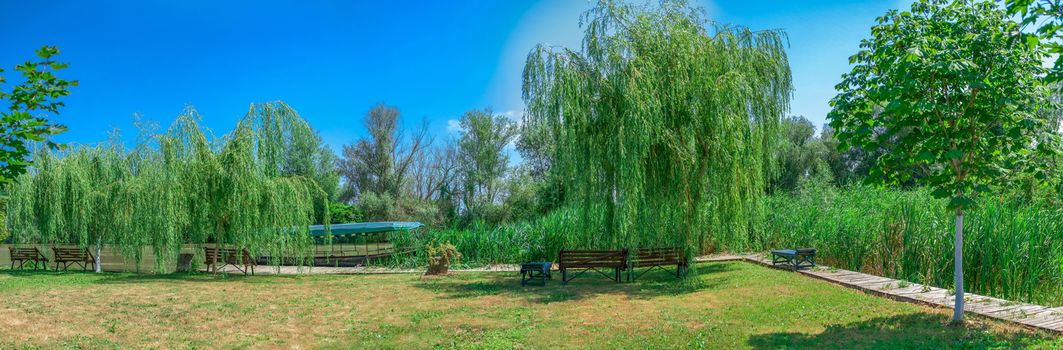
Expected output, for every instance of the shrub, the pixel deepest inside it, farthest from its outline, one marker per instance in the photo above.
(440, 256)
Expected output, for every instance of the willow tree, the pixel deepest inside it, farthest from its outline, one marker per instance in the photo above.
(285, 146)
(181, 187)
(243, 190)
(664, 122)
(72, 197)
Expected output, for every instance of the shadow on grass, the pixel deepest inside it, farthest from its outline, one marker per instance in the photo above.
(652, 284)
(910, 331)
(89, 277)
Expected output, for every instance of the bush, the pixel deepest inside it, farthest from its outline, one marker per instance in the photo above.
(340, 212)
(440, 256)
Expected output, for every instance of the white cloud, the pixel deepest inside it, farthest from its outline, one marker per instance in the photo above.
(454, 126)
(514, 115)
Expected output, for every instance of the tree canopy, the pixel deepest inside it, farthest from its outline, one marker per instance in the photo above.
(28, 103)
(950, 89)
(664, 122)
(481, 153)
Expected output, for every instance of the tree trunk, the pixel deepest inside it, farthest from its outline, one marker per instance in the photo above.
(957, 314)
(99, 249)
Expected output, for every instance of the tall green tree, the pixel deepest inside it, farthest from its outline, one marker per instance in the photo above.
(28, 105)
(959, 90)
(482, 158)
(664, 122)
(802, 156)
(381, 163)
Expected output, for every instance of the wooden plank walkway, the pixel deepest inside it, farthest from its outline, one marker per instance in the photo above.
(1029, 315)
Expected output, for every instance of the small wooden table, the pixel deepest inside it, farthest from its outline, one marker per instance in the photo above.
(539, 270)
(795, 258)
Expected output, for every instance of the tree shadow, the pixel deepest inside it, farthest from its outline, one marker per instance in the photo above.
(909, 331)
(136, 278)
(194, 277)
(650, 285)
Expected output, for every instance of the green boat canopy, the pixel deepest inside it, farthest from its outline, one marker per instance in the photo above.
(363, 228)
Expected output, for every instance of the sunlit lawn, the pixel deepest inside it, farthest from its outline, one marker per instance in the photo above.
(726, 305)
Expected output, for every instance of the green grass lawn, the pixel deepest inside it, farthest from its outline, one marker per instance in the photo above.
(725, 305)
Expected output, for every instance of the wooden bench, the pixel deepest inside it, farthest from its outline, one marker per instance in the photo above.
(794, 258)
(26, 255)
(238, 258)
(658, 258)
(592, 260)
(71, 256)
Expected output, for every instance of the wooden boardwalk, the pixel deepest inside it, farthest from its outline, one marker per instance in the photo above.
(1029, 315)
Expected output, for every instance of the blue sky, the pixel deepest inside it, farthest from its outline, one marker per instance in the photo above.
(333, 60)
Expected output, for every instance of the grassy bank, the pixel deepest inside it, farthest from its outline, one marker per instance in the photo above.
(726, 305)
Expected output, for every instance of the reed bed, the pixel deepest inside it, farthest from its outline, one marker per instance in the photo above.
(1012, 249)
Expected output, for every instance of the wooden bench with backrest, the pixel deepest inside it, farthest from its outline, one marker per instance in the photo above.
(27, 255)
(659, 258)
(71, 256)
(591, 260)
(238, 258)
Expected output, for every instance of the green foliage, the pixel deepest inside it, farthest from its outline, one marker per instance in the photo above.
(951, 89)
(440, 256)
(663, 122)
(38, 93)
(482, 160)
(178, 187)
(287, 146)
(509, 243)
(382, 162)
(340, 212)
(4, 231)
(802, 156)
(1047, 16)
(1013, 248)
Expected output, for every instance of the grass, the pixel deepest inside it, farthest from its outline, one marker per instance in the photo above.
(725, 305)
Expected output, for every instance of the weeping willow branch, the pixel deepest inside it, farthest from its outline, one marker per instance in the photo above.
(256, 188)
(664, 123)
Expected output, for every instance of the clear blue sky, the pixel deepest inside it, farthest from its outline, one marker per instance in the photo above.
(333, 60)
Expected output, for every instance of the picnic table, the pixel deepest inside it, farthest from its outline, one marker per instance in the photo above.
(539, 270)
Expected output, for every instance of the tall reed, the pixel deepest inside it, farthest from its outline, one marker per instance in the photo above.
(1012, 250)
